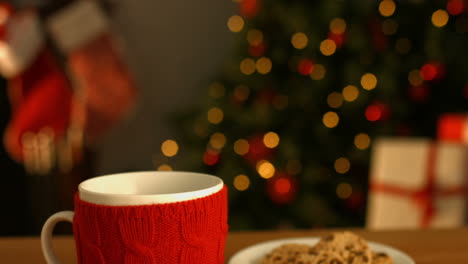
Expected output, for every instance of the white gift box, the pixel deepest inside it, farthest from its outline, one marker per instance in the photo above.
(417, 183)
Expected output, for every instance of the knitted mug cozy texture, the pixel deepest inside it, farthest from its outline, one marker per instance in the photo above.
(188, 232)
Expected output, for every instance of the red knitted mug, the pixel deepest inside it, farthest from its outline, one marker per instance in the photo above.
(146, 218)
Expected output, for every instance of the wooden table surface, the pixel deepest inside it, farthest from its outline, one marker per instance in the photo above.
(424, 246)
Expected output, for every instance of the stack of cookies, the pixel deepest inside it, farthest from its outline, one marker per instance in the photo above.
(337, 248)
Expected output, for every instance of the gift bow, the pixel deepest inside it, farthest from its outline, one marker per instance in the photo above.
(424, 198)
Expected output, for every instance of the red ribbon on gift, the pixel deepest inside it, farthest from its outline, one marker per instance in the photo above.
(424, 198)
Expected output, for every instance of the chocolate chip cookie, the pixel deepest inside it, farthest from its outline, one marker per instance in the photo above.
(286, 254)
(381, 258)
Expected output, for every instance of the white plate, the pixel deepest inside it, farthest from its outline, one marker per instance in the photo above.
(253, 254)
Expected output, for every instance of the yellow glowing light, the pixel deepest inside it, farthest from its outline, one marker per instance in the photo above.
(265, 169)
(389, 27)
(299, 40)
(271, 140)
(440, 18)
(216, 90)
(335, 100)
(241, 92)
(414, 77)
(235, 23)
(263, 65)
(330, 119)
(293, 167)
(344, 190)
(215, 115)
(254, 37)
(164, 167)
(368, 81)
(247, 66)
(318, 73)
(241, 182)
(241, 147)
(218, 140)
(403, 45)
(169, 148)
(280, 102)
(342, 165)
(362, 141)
(387, 8)
(338, 26)
(327, 47)
(350, 93)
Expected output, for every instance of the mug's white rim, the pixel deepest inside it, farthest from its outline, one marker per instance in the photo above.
(118, 199)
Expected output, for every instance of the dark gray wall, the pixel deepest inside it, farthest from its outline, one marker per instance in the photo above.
(174, 48)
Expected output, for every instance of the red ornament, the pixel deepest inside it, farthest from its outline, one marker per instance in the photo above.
(249, 8)
(257, 150)
(419, 94)
(282, 188)
(455, 7)
(257, 50)
(210, 157)
(305, 66)
(377, 111)
(337, 38)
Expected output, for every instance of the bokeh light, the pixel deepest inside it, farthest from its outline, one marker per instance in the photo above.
(318, 72)
(283, 186)
(342, 165)
(350, 93)
(374, 112)
(305, 67)
(241, 182)
(414, 77)
(344, 190)
(241, 93)
(241, 147)
(455, 7)
(428, 72)
(247, 66)
(271, 139)
(215, 115)
(169, 148)
(265, 169)
(362, 141)
(299, 40)
(218, 140)
(335, 100)
(387, 8)
(210, 157)
(440, 18)
(328, 47)
(164, 167)
(330, 119)
(264, 65)
(368, 81)
(338, 26)
(235, 23)
(254, 37)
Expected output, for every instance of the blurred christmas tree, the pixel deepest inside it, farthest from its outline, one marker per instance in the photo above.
(289, 123)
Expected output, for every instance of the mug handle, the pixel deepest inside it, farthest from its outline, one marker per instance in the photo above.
(46, 234)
